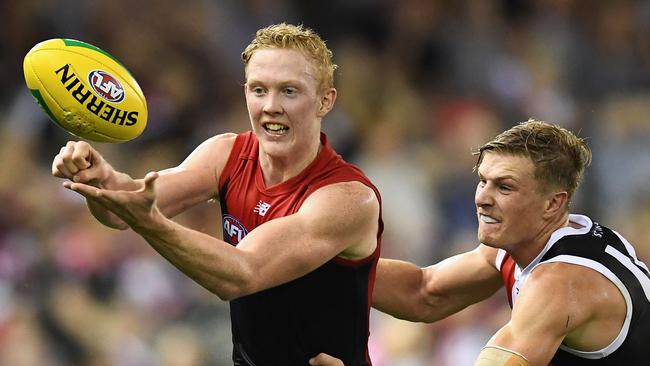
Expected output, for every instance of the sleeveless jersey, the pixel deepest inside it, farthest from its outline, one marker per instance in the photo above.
(326, 310)
(607, 252)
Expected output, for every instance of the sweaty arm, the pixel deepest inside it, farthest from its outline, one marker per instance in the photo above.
(339, 219)
(552, 303)
(195, 180)
(409, 292)
(336, 220)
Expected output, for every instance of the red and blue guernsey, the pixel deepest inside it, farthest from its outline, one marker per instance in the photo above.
(326, 310)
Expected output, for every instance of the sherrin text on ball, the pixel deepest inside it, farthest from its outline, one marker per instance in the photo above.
(85, 90)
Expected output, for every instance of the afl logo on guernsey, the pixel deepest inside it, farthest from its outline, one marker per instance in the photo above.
(233, 230)
(106, 86)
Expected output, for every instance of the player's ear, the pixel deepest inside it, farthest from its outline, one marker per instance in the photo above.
(556, 203)
(326, 102)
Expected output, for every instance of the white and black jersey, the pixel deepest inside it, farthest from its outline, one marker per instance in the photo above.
(608, 253)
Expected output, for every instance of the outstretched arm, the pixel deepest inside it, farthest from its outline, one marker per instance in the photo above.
(409, 292)
(338, 219)
(195, 180)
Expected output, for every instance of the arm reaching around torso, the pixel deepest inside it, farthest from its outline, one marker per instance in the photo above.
(409, 292)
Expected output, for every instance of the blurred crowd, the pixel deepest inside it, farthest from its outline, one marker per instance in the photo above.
(422, 83)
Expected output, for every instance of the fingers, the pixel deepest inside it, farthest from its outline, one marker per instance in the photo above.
(71, 159)
(84, 189)
(74, 157)
(325, 360)
(81, 155)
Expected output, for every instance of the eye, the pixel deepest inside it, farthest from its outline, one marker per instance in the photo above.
(290, 91)
(481, 183)
(258, 90)
(505, 188)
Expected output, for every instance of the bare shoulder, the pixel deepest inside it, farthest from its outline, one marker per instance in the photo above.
(347, 210)
(353, 200)
(578, 293)
(575, 279)
(196, 179)
(556, 305)
(214, 147)
(593, 306)
(212, 153)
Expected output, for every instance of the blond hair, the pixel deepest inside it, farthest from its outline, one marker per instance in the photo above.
(559, 156)
(296, 37)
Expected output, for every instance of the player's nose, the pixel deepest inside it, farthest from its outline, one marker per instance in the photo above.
(272, 104)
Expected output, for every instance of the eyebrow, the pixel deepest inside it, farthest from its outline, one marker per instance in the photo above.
(284, 83)
(500, 178)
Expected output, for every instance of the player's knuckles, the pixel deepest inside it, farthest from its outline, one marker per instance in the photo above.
(70, 166)
(66, 153)
(80, 161)
(57, 173)
(60, 170)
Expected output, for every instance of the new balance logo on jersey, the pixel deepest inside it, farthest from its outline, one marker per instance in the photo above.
(261, 208)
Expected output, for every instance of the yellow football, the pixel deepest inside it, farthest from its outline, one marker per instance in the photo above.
(85, 90)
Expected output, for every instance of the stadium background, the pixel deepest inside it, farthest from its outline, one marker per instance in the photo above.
(421, 83)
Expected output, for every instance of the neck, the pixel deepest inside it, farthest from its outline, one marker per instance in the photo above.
(276, 170)
(526, 253)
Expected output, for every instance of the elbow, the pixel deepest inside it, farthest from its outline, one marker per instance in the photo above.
(419, 316)
(427, 318)
(236, 286)
(229, 292)
(226, 294)
(417, 313)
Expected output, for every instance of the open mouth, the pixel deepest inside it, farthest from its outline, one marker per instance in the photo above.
(487, 219)
(275, 128)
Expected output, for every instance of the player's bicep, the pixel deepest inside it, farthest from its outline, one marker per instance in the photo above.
(213, 153)
(196, 179)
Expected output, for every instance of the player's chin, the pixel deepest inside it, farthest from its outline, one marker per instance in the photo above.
(275, 146)
(487, 237)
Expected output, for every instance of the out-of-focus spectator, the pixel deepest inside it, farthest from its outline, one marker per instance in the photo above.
(422, 83)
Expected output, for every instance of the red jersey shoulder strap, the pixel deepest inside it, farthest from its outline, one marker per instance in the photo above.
(242, 149)
(507, 268)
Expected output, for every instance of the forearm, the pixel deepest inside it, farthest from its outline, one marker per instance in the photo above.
(214, 264)
(435, 292)
(398, 290)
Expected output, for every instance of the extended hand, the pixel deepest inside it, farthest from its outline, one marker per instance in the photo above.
(137, 208)
(324, 359)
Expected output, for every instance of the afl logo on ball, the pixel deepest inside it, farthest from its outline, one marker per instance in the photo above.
(106, 86)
